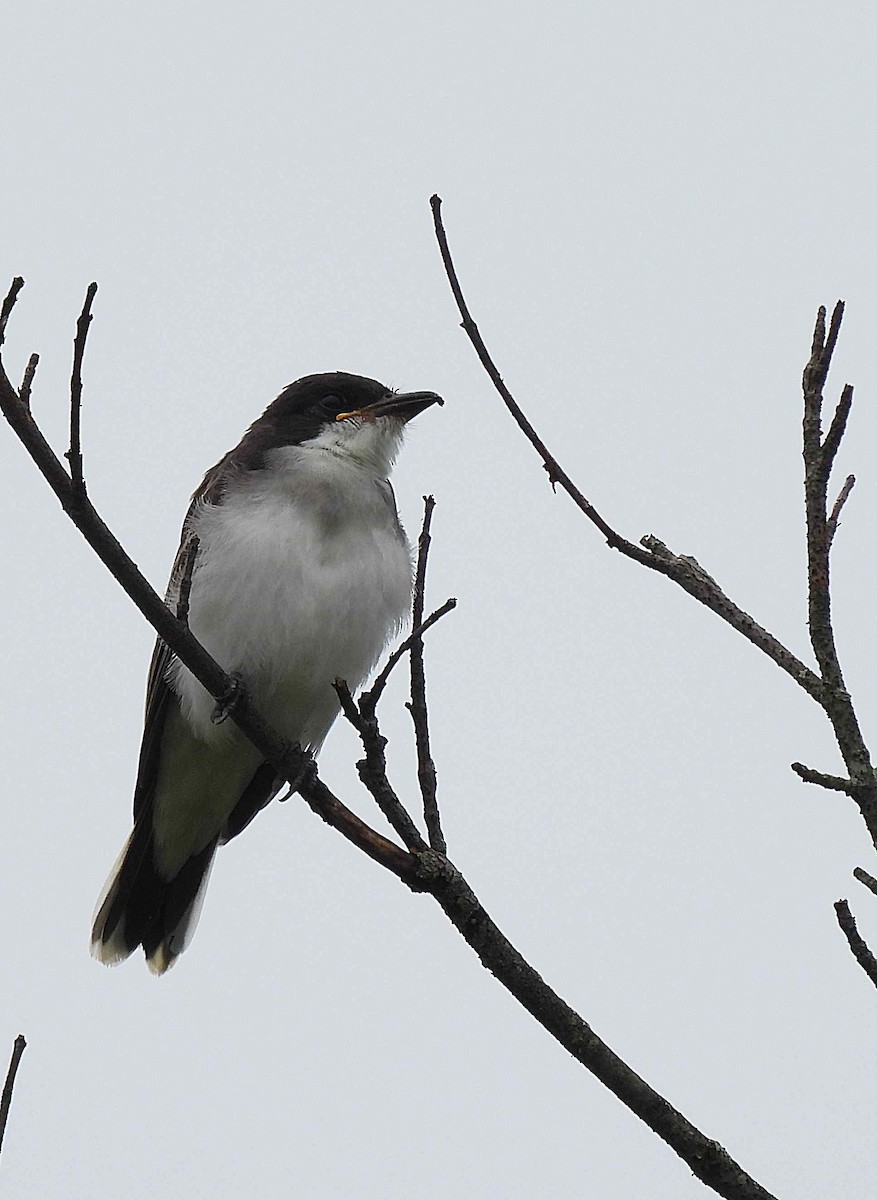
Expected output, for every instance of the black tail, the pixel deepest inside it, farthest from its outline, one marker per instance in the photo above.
(141, 907)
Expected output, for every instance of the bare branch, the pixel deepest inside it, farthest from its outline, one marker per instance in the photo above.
(837, 429)
(834, 783)
(556, 474)
(818, 458)
(709, 1161)
(6, 1098)
(74, 454)
(842, 497)
(27, 382)
(426, 773)
(829, 691)
(653, 553)
(423, 544)
(330, 809)
(822, 349)
(372, 769)
(692, 578)
(856, 942)
(8, 305)
(868, 880)
(369, 700)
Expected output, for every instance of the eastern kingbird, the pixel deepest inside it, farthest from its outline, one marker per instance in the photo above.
(301, 576)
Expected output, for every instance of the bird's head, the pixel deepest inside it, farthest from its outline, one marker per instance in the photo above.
(349, 414)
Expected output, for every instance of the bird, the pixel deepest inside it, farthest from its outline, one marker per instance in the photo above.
(301, 574)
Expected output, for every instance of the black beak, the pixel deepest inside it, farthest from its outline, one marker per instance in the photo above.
(404, 405)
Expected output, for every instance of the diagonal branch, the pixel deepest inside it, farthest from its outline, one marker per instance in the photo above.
(653, 554)
(427, 870)
(827, 688)
(709, 1161)
(842, 497)
(866, 878)
(855, 941)
(8, 305)
(556, 473)
(368, 701)
(6, 1098)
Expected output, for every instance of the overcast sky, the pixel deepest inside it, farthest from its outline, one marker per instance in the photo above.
(647, 203)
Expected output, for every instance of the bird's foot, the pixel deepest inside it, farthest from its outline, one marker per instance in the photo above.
(228, 702)
(307, 773)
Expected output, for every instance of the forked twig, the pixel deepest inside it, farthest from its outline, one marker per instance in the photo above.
(819, 456)
(373, 769)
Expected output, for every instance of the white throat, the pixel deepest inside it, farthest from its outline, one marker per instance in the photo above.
(372, 444)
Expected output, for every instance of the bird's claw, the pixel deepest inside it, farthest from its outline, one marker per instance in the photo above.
(228, 702)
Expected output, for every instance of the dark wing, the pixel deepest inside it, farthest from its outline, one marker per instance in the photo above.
(265, 784)
(158, 691)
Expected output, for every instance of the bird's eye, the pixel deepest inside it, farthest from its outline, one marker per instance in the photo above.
(332, 404)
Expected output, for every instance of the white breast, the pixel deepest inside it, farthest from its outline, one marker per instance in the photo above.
(302, 576)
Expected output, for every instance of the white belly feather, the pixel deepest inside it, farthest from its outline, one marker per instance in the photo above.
(302, 576)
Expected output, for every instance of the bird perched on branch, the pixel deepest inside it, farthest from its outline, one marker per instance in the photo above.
(302, 573)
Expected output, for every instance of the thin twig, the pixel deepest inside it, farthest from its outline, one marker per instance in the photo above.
(857, 943)
(556, 474)
(368, 701)
(74, 454)
(834, 783)
(842, 497)
(423, 544)
(27, 382)
(836, 430)
(372, 769)
(868, 880)
(652, 553)
(8, 305)
(426, 772)
(6, 1099)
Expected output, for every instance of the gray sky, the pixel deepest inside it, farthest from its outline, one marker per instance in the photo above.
(647, 203)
